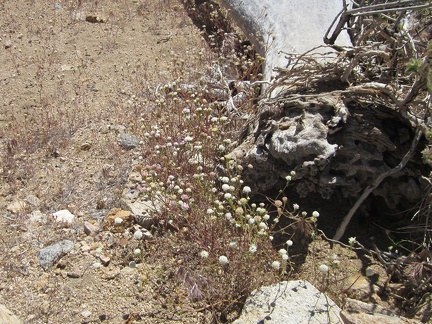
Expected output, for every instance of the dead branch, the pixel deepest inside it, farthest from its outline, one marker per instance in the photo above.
(342, 227)
(359, 54)
(347, 14)
(230, 102)
(386, 10)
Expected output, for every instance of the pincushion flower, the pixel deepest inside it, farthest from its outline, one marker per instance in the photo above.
(323, 268)
(204, 254)
(247, 189)
(276, 265)
(226, 187)
(223, 260)
(138, 235)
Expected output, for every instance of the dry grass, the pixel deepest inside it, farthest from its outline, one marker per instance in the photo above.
(69, 88)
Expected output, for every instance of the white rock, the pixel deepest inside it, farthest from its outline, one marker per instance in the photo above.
(37, 216)
(86, 313)
(356, 311)
(66, 67)
(309, 141)
(51, 254)
(6, 316)
(289, 302)
(129, 141)
(97, 265)
(291, 26)
(64, 216)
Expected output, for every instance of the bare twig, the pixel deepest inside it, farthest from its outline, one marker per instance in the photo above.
(347, 14)
(342, 21)
(230, 102)
(165, 39)
(404, 4)
(9, 218)
(360, 54)
(380, 11)
(342, 227)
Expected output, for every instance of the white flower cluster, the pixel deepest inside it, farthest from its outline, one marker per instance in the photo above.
(284, 254)
(323, 268)
(138, 235)
(204, 254)
(253, 248)
(276, 265)
(352, 241)
(247, 190)
(223, 260)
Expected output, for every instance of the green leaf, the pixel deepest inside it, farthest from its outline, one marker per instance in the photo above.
(428, 136)
(413, 65)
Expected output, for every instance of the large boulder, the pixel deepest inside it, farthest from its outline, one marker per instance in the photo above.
(336, 149)
(278, 28)
(336, 122)
(289, 302)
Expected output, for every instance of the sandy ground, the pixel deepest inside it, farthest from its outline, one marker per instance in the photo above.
(75, 74)
(67, 88)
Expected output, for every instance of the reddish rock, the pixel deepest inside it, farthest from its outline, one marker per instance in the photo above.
(105, 260)
(90, 228)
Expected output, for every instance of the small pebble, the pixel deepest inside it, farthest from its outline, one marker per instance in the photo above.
(97, 265)
(86, 313)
